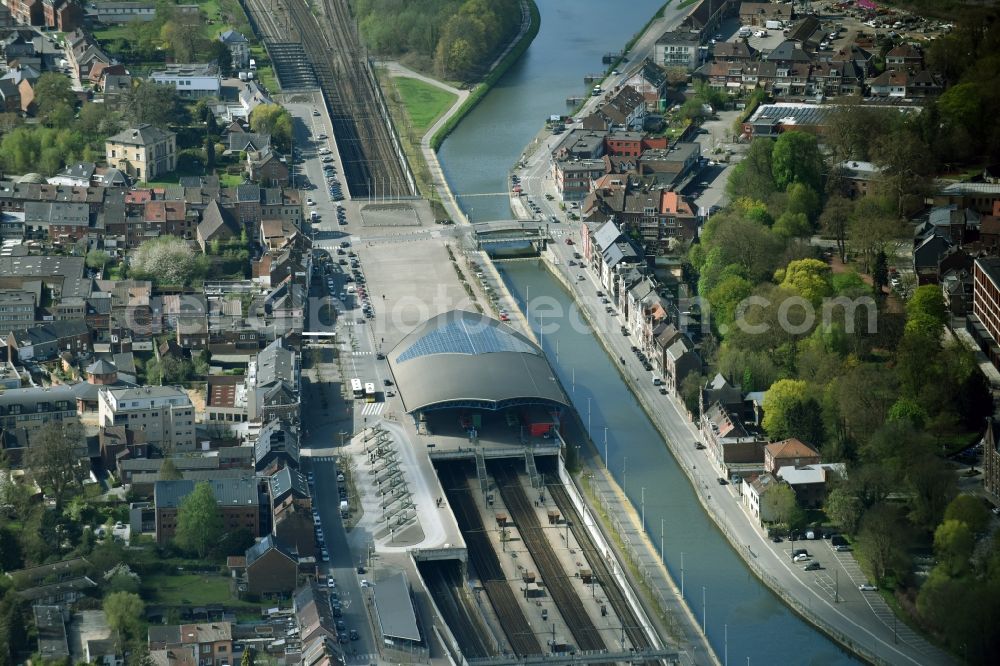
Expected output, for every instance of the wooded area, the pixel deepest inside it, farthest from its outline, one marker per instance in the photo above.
(456, 39)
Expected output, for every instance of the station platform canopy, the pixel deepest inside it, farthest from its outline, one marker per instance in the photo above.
(462, 359)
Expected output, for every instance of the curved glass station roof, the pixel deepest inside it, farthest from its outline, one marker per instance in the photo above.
(465, 359)
(468, 335)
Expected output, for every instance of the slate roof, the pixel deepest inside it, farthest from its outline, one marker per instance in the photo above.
(287, 481)
(143, 135)
(265, 545)
(227, 492)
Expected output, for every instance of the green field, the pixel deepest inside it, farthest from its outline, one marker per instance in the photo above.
(424, 103)
(190, 590)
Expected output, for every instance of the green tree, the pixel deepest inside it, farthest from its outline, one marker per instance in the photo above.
(169, 471)
(792, 225)
(97, 259)
(753, 176)
(882, 541)
(783, 395)
(199, 522)
(880, 273)
(803, 200)
(167, 260)
(53, 91)
(11, 557)
(809, 278)
(780, 503)
(908, 411)
(725, 297)
(834, 221)
(971, 510)
(275, 120)
(150, 102)
(796, 159)
(54, 458)
(124, 611)
(927, 308)
(953, 544)
(843, 507)
(872, 228)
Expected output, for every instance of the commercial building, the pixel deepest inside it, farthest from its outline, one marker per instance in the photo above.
(191, 80)
(17, 309)
(164, 413)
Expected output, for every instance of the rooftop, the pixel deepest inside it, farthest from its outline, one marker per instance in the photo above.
(228, 492)
(394, 609)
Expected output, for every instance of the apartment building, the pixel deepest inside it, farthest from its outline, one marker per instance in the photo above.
(164, 413)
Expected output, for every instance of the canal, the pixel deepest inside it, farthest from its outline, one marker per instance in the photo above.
(476, 159)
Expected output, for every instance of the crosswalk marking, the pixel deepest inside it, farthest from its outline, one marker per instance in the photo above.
(372, 408)
(324, 459)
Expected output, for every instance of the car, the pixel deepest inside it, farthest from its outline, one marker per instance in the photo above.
(315, 112)
(801, 557)
(699, 446)
(361, 568)
(331, 583)
(325, 557)
(776, 539)
(380, 356)
(310, 202)
(812, 566)
(842, 548)
(663, 390)
(868, 587)
(704, 183)
(366, 583)
(342, 639)
(569, 241)
(386, 382)
(354, 634)
(338, 611)
(722, 481)
(321, 137)
(390, 394)
(327, 159)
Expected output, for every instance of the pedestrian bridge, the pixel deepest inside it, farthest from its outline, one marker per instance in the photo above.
(511, 236)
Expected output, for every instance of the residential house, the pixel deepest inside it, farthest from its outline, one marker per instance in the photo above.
(626, 107)
(276, 448)
(267, 168)
(734, 52)
(927, 257)
(271, 568)
(210, 642)
(729, 439)
(317, 628)
(191, 80)
(291, 512)
(904, 56)
(58, 221)
(239, 47)
(980, 196)
(30, 408)
(759, 13)
(678, 361)
(861, 178)
(956, 287)
(650, 81)
(164, 413)
(247, 141)
(217, 224)
(46, 341)
(144, 152)
(752, 493)
(238, 499)
(62, 15)
(10, 96)
(811, 482)
(808, 33)
(27, 12)
(788, 452)
(83, 53)
(273, 384)
(612, 252)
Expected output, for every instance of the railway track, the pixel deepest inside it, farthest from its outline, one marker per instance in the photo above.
(484, 559)
(367, 142)
(599, 568)
(555, 577)
(445, 587)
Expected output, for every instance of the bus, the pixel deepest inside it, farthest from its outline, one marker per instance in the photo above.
(356, 389)
(370, 392)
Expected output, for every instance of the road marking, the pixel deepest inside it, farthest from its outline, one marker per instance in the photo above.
(372, 408)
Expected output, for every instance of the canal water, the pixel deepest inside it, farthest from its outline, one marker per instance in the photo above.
(476, 159)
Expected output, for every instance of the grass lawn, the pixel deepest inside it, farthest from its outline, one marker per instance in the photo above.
(191, 589)
(423, 102)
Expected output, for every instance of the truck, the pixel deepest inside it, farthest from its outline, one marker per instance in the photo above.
(773, 25)
(343, 508)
